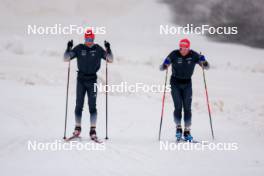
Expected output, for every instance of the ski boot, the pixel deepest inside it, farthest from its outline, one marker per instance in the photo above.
(187, 135)
(93, 133)
(77, 131)
(178, 132)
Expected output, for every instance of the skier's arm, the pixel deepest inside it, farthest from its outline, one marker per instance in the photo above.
(166, 63)
(69, 53)
(108, 55)
(203, 62)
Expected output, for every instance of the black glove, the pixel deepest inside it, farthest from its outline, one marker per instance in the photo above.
(69, 45)
(107, 46)
(163, 67)
(205, 64)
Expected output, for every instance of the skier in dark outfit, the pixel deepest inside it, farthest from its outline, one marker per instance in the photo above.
(183, 62)
(89, 57)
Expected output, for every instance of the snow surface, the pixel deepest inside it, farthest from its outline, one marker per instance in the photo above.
(33, 82)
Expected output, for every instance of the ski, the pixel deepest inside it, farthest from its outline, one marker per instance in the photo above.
(72, 138)
(96, 140)
(78, 137)
(181, 140)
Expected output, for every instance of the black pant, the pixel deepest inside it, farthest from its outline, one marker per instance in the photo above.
(86, 86)
(181, 91)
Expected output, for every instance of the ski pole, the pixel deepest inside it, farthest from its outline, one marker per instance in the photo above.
(106, 101)
(67, 94)
(207, 101)
(163, 103)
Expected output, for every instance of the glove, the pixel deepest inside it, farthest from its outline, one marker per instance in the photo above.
(205, 64)
(163, 67)
(69, 45)
(107, 46)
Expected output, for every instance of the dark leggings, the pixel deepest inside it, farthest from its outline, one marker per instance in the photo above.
(82, 88)
(182, 98)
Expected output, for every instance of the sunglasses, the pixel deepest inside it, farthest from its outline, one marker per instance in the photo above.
(184, 48)
(89, 40)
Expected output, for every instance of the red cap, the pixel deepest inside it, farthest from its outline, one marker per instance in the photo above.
(89, 34)
(185, 43)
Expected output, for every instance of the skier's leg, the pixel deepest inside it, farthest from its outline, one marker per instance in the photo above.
(176, 93)
(187, 105)
(92, 94)
(177, 100)
(80, 94)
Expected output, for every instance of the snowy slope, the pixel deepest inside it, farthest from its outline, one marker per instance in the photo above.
(33, 76)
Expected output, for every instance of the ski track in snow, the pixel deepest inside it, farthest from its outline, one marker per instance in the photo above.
(127, 152)
(32, 81)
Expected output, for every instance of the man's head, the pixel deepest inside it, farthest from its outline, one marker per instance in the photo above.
(89, 38)
(184, 46)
